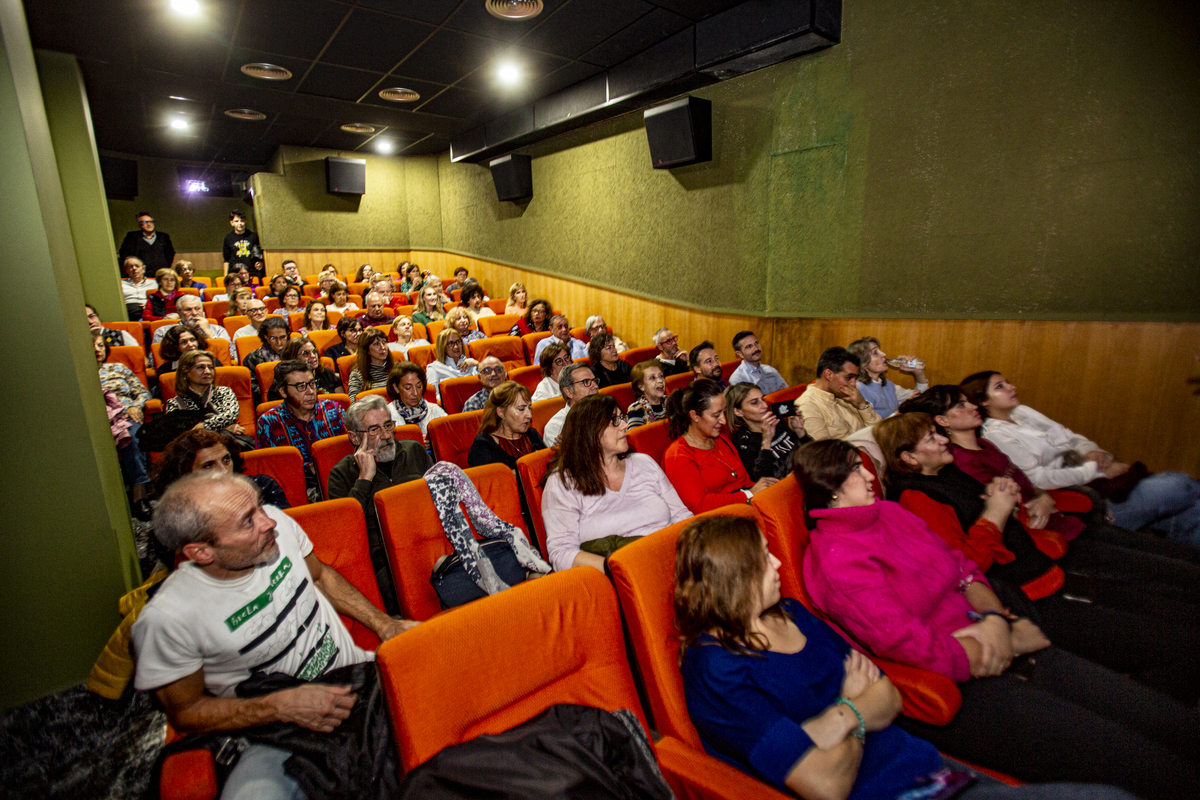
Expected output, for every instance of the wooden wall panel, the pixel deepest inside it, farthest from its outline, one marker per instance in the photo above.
(203, 262)
(1123, 384)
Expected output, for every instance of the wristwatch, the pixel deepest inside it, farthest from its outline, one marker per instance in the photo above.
(980, 616)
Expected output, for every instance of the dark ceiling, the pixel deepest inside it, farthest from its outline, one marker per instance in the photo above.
(136, 54)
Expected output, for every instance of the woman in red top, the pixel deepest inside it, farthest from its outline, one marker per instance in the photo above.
(161, 304)
(535, 320)
(702, 464)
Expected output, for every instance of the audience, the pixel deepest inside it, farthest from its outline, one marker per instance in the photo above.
(229, 284)
(186, 271)
(202, 450)
(576, 381)
(883, 395)
(1053, 456)
(461, 320)
(274, 334)
(505, 433)
(382, 285)
(160, 303)
(178, 340)
(118, 381)
(135, 285)
(305, 349)
(429, 307)
(552, 360)
(649, 393)
(406, 389)
(301, 419)
(517, 298)
(536, 319)
(112, 338)
(460, 280)
(239, 297)
(599, 496)
(402, 330)
(316, 317)
(705, 363)
(752, 370)
(338, 298)
(377, 312)
(895, 587)
(764, 445)
(349, 331)
(832, 406)
(434, 282)
(364, 274)
(241, 247)
(378, 462)
(608, 368)
(191, 312)
(472, 300)
(277, 285)
(256, 311)
(703, 465)
(450, 361)
(595, 326)
(491, 374)
(291, 273)
(560, 330)
(196, 390)
(412, 278)
(372, 365)
(671, 358)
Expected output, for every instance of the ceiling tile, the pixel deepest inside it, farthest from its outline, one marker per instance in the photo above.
(697, 10)
(448, 56)
(374, 41)
(579, 26)
(423, 88)
(454, 102)
(431, 11)
(532, 64)
(289, 129)
(572, 73)
(473, 17)
(87, 28)
(650, 29)
(240, 56)
(336, 139)
(298, 28)
(431, 146)
(338, 82)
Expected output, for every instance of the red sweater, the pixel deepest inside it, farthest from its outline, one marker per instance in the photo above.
(706, 479)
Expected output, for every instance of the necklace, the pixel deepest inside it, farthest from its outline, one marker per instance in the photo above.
(712, 448)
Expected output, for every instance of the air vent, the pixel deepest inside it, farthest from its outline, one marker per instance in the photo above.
(267, 72)
(400, 95)
(358, 127)
(245, 113)
(514, 10)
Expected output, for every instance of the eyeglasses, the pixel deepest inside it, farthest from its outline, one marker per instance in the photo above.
(145, 222)
(670, 340)
(619, 420)
(303, 386)
(378, 430)
(262, 310)
(453, 341)
(585, 382)
(561, 362)
(493, 371)
(278, 338)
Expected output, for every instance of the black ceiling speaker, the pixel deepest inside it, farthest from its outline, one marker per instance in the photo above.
(679, 132)
(346, 175)
(513, 176)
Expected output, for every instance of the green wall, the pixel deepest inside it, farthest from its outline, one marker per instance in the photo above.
(66, 550)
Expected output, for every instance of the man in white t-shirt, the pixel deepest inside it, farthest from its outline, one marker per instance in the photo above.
(253, 596)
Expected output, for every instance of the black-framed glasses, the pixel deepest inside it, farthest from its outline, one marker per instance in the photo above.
(379, 430)
(453, 341)
(585, 382)
(145, 222)
(619, 420)
(303, 386)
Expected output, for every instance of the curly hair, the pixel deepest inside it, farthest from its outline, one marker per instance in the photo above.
(169, 350)
(180, 455)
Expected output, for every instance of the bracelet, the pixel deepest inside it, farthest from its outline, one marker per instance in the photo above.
(980, 616)
(861, 733)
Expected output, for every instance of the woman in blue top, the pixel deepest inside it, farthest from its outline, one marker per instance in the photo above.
(775, 692)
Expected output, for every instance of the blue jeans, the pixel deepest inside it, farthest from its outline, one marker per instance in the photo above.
(259, 775)
(133, 462)
(1168, 502)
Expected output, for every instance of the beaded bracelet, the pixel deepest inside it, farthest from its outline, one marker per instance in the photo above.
(861, 733)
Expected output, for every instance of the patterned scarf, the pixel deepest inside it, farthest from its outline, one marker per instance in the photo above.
(411, 416)
(449, 486)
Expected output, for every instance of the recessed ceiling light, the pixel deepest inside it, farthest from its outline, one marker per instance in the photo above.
(245, 113)
(384, 146)
(267, 72)
(179, 97)
(514, 10)
(358, 127)
(508, 73)
(398, 94)
(189, 7)
(179, 124)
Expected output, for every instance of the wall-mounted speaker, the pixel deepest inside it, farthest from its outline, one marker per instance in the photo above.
(345, 175)
(679, 132)
(120, 177)
(513, 176)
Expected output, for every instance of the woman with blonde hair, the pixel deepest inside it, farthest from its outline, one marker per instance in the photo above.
(461, 320)
(239, 302)
(518, 297)
(185, 270)
(429, 306)
(451, 362)
(505, 433)
(160, 303)
(402, 329)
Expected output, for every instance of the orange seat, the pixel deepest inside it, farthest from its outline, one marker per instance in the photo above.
(206, 281)
(246, 345)
(433, 328)
(652, 439)
(324, 339)
(530, 342)
(234, 323)
(132, 357)
(543, 410)
(261, 291)
(191, 291)
(674, 382)
(328, 452)
(236, 378)
(359, 288)
(345, 365)
(419, 332)
(529, 377)
(295, 320)
(498, 325)
(451, 436)
(415, 539)
(311, 290)
(407, 311)
(787, 394)
(643, 573)
(530, 470)
(498, 306)
(272, 303)
(456, 392)
(284, 464)
(729, 367)
(622, 392)
(636, 355)
(927, 696)
(209, 294)
(218, 347)
(266, 378)
(216, 309)
(422, 355)
(134, 329)
(506, 348)
(151, 327)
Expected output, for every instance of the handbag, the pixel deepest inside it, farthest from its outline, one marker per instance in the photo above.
(454, 586)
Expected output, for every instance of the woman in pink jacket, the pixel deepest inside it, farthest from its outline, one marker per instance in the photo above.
(1029, 709)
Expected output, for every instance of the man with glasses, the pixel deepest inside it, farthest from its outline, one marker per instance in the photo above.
(560, 331)
(256, 310)
(274, 334)
(491, 374)
(300, 419)
(378, 462)
(153, 247)
(671, 358)
(191, 312)
(576, 381)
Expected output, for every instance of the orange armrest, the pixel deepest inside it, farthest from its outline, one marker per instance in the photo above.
(190, 775)
(154, 406)
(1071, 502)
(1051, 543)
(695, 775)
(928, 696)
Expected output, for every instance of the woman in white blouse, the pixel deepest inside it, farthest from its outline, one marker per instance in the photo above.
(402, 329)
(552, 360)
(451, 363)
(599, 496)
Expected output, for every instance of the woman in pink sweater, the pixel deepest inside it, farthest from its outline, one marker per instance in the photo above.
(1029, 709)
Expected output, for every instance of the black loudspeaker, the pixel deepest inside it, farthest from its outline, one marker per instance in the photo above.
(346, 175)
(679, 132)
(120, 177)
(513, 176)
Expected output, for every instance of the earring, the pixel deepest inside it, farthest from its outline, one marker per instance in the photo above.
(833, 496)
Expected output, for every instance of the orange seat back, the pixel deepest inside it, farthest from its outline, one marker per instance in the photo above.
(564, 630)
(876, 483)
(272, 303)
(216, 309)
(261, 291)
(295, 320)
(344, 365)
(218, 347)
(636, 355)
(236, 378)
(786, 394)
(652, 439)
(151, 327)
(408, 311)
(285, 465)
(338, 534)
(414, 537)
(422, 355)
(729, 367)
(328, 452)
(506, 348)
(246, 345)
(311, 290)
(324, 339)
(674, 382)
(134, 329)
(644, 575)
(530, 342)
(456, 392)
(433, 328)
(531, 469)
(266, 378)
(543, 410)
(234, 323)
(498, 325)
(622, 392)
(529, 377)
(451, 436)
(498, 306)
(132, 357)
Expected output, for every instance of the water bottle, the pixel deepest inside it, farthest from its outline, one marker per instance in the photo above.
(900, 363)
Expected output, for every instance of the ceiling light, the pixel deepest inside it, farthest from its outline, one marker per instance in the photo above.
(514, 10)
(179, 124)
(189, 7)
(267, 72)
(358, 127)
(179, 97)
(245, 113)
(509, 74)
(384, 146)
(398, 94)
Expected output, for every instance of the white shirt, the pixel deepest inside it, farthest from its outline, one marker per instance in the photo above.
(578, 348)
(135, 293)
(1036, 444)
(554, 427)
(548, 389)
(432, 412)
(438, 371)
(396, 347)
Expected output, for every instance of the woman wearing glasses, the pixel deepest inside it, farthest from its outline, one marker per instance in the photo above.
(504, 431)
(599, 496)
(451, 363)
(552, 360)
(349, 330)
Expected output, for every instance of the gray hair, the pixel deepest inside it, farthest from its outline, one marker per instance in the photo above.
(355, 413)
(659, 335)
(563, 317)
(566, 379)
(182, 517)
(587, 326)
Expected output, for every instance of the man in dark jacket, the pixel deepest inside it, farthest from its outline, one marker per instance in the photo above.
(153, 247)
